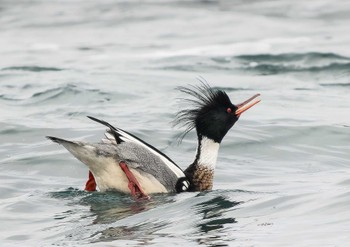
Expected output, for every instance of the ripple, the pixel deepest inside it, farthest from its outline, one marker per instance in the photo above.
(33, 68)
(335, 84)
(263, 64)
(268, 64)
(213, 213)
(310, 57)
(69, 92)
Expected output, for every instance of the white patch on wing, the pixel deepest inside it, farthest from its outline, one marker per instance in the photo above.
(187, 184)
(106, 141)
(124, 138)
(175, 169)
(208, 152)
(110, 138)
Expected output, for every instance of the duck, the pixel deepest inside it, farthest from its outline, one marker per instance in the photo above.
(124, 163)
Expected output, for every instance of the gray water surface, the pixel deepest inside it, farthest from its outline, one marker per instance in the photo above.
(283, 173)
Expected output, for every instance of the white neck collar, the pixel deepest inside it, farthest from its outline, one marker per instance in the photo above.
(207, 153)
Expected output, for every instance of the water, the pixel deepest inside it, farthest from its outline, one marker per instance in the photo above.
(283, 173)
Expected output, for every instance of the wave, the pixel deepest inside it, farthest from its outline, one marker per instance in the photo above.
(335, 84)
(267, 64)
(263, 64)
(270, 69)
(33, 68)
(311, 56)
(65, 93)
(49, 95)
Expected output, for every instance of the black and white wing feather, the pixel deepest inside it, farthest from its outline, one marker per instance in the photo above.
(138, 152)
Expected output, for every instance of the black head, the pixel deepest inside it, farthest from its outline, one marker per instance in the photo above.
(212, 113)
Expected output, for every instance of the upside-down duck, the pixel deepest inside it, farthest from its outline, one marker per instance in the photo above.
(125, 163)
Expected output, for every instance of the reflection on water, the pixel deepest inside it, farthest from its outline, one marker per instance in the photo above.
(143, 233)
(108, 208)
(212, 227)
(111, 217)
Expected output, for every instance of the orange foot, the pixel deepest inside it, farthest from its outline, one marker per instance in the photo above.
(134, 186)
(91, 183)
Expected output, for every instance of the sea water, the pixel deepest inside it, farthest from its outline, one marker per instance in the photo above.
(283, 171)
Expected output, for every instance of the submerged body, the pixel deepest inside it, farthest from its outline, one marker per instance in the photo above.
(125, 163)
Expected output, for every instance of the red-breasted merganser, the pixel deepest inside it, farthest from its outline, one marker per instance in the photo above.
(122, 162)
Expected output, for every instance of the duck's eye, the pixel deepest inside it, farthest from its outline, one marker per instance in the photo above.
(229, 110)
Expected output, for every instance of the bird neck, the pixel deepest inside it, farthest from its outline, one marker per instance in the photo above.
(201, 172)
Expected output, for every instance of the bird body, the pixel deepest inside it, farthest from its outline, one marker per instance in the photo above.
(125, 163)
(154, 171)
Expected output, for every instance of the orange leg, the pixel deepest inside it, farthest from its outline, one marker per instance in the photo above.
(91, 183)
(134, 185)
